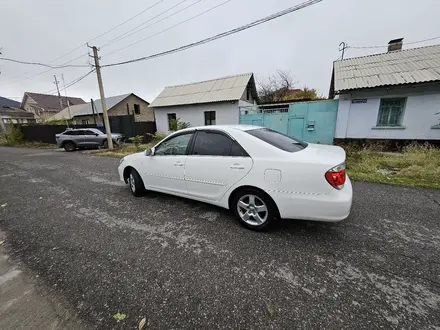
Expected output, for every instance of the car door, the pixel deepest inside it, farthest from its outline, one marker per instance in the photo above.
(215, 164)
(92, 139)
(78, 136)
(165, 170)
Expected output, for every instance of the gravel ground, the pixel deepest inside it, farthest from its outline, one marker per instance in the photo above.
(185, 265)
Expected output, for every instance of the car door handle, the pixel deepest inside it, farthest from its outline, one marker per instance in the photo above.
(236, 167)
(178, 164)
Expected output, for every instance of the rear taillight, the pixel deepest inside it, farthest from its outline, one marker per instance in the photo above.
(336, 176)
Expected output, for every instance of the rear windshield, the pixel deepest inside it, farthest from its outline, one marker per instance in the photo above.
(278, 140)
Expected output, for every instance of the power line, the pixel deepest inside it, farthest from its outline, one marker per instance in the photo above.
(126, 21)
(407, 43)
(71, 83)
(84, 44)
(42, 64)
(171, 27)
(221, 35)
(124, 35)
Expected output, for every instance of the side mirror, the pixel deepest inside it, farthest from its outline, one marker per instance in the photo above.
(149, 152)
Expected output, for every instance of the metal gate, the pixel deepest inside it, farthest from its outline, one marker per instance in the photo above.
(313, 122)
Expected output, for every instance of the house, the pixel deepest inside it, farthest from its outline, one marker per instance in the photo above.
(208, 102)
(45, 106)
(5, 102)
(393, 95)
(11, 115)
(120, 105)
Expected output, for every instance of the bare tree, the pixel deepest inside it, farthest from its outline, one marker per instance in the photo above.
(276, 87)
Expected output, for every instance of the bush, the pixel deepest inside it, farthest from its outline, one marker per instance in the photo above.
(14, 136)
(176, 124)
(157, 137)
(137, 140)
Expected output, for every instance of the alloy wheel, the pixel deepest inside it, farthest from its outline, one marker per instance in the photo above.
(252, 210)
(132, 183)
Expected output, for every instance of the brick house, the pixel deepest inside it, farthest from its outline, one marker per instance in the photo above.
(120, 105)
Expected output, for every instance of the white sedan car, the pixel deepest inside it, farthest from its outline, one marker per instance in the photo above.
(257, 173)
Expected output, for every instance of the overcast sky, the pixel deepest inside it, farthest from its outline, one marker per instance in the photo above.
(305, 42)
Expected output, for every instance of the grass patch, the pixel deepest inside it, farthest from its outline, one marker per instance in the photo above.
(415, 166)
(5, 142)
(123, 150)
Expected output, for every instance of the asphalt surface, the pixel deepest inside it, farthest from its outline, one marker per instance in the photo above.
(186, 265)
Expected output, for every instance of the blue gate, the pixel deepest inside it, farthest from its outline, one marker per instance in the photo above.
(313, 122)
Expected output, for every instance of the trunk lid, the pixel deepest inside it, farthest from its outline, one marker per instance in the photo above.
(325, 154)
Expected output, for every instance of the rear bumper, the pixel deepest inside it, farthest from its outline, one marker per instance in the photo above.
(331, 207)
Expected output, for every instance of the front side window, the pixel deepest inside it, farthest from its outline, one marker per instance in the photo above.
(212, 144)
(278, 140)
(174, 146)
(391, 112)
(171, 117)
(209, 117)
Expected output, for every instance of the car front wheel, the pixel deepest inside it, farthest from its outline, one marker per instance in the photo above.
(136, 184)
(254, 209)
(69, 146)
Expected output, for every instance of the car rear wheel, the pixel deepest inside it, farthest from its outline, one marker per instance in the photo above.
(136, 184)
(254, 209)
(69, 146)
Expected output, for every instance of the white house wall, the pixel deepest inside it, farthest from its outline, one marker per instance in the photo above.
(226, 113)
(357, 120)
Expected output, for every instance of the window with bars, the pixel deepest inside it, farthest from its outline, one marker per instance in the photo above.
(391, 112)
(209, 117)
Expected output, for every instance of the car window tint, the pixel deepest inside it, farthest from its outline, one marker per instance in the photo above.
(237, 150)
(68, 133)
(174, 146)
(278, 140)
(212, 144)
(89, 132)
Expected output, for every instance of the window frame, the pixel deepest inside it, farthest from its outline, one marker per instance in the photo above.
(212, 131)
(210, 112)
(193, 132)
(168, 118)
(402, 112)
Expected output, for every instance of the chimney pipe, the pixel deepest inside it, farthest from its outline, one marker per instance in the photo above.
(395, 45)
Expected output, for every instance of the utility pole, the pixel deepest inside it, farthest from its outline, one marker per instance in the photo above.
(58, 90)
(67, 100)
(344, 47)
(101, 92)
(93, 110)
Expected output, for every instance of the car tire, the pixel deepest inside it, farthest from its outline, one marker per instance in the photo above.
(69, 146)
(105, 144)
(254, 209)
(135, 183)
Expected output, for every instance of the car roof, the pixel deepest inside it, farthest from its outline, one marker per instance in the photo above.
(223, 127)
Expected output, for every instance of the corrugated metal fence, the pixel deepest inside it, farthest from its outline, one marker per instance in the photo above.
(118, 124)
(313, 122)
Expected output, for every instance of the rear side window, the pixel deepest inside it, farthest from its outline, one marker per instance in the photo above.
(216, 144)
(212, 144)
(278, 140)
(237, 150)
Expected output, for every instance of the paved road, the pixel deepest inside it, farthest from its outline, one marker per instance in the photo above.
(183, 264)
